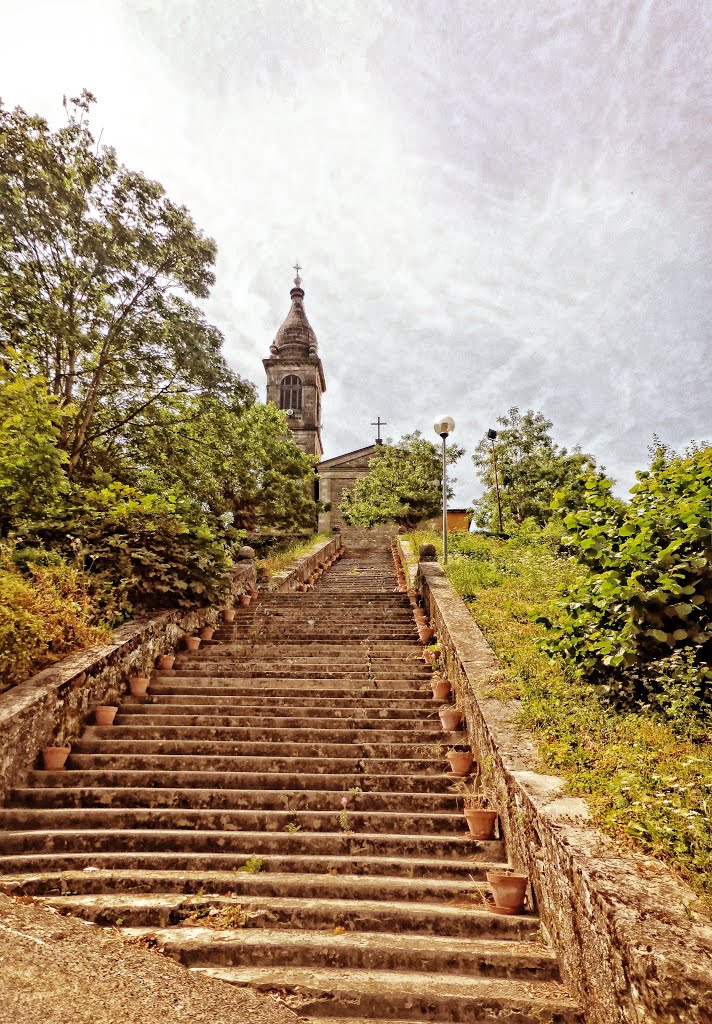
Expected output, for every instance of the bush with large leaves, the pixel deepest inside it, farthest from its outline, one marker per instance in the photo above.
(639, 628)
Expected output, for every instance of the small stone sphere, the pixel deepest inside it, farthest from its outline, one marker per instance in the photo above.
(246, 552)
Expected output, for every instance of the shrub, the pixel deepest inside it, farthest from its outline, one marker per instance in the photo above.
(147, 550)
(45, 614)
(648, 594)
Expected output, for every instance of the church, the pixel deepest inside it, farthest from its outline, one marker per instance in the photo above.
(295, 383)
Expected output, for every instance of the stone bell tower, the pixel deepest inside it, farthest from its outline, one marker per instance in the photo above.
(295, 376)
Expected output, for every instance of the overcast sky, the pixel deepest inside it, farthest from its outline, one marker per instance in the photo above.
(495, 202)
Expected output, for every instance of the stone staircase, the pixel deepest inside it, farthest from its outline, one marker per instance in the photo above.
(277, 814)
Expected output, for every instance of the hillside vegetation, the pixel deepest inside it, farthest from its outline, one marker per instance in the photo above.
(602, 625)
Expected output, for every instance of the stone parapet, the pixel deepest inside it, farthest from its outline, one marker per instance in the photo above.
(301, 568)
(51, 707)
(634, 942)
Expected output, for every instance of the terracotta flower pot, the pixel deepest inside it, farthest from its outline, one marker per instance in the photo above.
(509, 890)
(55, 758)
(302, 588)
(244, 600)
(425, 633)
(166, 661)
(460, 762)
(104, 714)
(449, 718)
(480, 822)
(254, 592)
(427, 656)
(192, 643)
(228, 614)
(441, 688)
(138, 685)
(206, 632)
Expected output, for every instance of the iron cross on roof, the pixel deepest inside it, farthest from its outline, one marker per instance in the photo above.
(379, 423)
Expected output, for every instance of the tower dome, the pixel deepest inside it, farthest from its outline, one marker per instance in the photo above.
(296, 337)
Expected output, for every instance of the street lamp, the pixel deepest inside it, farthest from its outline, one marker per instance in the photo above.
(492, 436)
(444, 426)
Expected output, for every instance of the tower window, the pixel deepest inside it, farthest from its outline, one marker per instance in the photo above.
(290, 393)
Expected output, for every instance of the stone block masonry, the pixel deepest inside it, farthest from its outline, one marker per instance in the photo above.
(632, 941)
(52, 706)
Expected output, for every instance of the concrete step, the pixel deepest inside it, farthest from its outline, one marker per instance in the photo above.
(464, 917)
(356, 766)
(270, 800)
(395, 994)
(215, 780)
(274, 884)
(20, 819)
(320, 733)
(136, 852)
(198, 946)
(460, 849)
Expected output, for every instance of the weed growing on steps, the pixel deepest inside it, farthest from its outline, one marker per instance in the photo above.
(253, 865)
(292, 826)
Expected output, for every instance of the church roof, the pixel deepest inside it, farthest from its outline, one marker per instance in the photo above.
(296, 337)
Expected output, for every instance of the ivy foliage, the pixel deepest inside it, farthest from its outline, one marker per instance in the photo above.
(639, 626)
(403, 484)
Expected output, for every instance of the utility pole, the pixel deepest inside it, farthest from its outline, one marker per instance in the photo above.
(492, 435)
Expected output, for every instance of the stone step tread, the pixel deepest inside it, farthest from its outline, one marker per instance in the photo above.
(462, 916)
(195, 934)
(147, 716)
(422, 733)
(267, 799)
(202, 747)
(303, 686)
(358, 767)
(280, 863)
(309, 886)
(183, 778)
(396, 987)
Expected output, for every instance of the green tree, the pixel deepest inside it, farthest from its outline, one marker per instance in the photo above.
(31, 464)
(98, 268)
(403, 484)
(531, 469)
(241, 466)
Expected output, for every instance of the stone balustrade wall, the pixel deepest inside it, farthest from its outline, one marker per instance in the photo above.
(51, 707)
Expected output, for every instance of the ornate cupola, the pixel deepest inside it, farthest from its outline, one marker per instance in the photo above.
(295, 376)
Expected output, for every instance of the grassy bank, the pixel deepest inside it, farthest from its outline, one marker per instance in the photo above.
(648, 782)
(279, 560)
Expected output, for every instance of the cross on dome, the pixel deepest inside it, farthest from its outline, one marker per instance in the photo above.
(297, 279)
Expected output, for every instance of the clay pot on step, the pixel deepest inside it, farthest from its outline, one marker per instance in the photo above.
(427, 656)
(254, 592)
(244, 600)
(426, 633)
(302, 588)
(509, 891)
(166, 662)
(206, 632)
(192, 643)
(104, 714)
(55, 758)
(138, 685)
(450, 719)
(441, 688)
(460, 762)
(481, 822)
(228, 614)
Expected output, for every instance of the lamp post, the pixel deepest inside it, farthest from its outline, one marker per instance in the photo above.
(444, 426)
(492, 436)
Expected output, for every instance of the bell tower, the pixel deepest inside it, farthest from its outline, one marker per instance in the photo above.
(295, 376)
